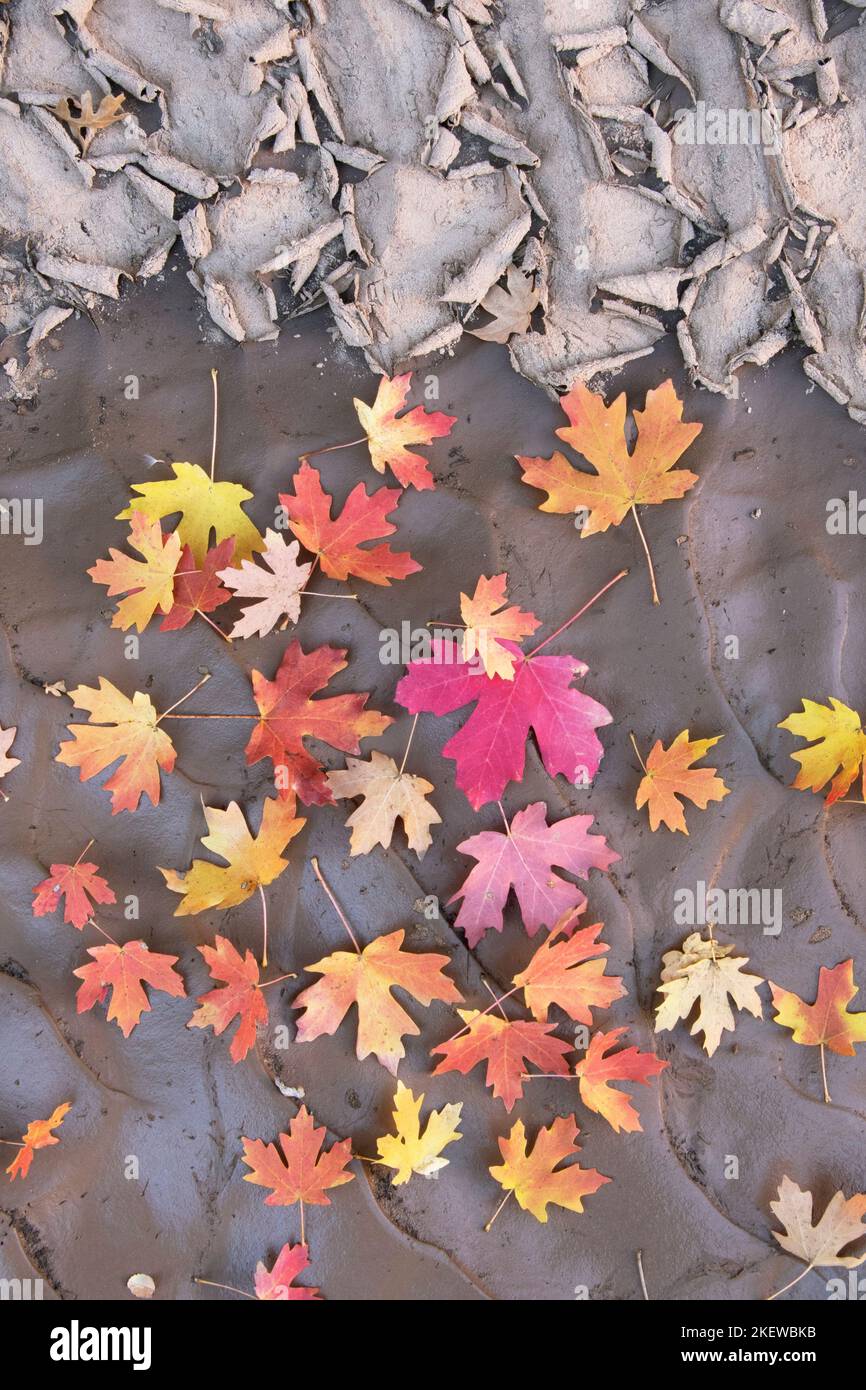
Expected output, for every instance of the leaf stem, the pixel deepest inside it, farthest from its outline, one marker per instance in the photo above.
(212, 1283)
(165, 713)
(303, 1235)
(336, 906)
(264, 926)
(210, 622)
(331, 449)
(263, 984)
(580, 612)
(482, 1012)
(91, 922)
(785, 1289)
(496, 1003)
(639, 1255)
(82, 854)
(214, 375)
(409, 744)
(498, 1210)
(637, 752)
(824, 1075)
(649, 558)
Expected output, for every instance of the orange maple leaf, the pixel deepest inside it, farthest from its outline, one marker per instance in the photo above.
(118, 729)
(622, 481)
(37, 1136)
(486, 624)
(240, 996)
(339, 543)
(596, 1071)
(366, 978)
(506, 1045)
(562, 971)
(74, 884)
(149, 582)
(668, 775)
(828, 1021)
(535, 1178)
(287, 715)
(122, 970)
(388, 435)
(302, 1172)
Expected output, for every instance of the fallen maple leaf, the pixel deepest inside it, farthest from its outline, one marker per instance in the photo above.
(490, 749)
(668, 775)
(7, 738)
(252, 861)
(122, 969)
(408, 1151)
(622, 481)
(340, 544)
(827, 1022)
(366, 978)
(487, 626)
(204, 507)
(596, 1071)
(844, 1221)
(37, 1136)
(196, 587)
(522, 860)
(277, 590)
(276, 1284)
(148, 582)
(535, 1178)
(88, 121)
(512, 308)
(118, 729)
(704, 972)
(388, 795)
(240, 996)
(838, 749)
(563, 971)
(288, 716)
(75, 885)
(388, 435)
(507, 1046)
(302, 1173)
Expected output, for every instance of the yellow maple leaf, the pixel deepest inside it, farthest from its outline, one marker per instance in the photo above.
(536, 1178)
(838, 747)
(668, 775)
(251, 861)
(485, 624)
(204, 507)
(387, 794)
(148, 582)
(408, 1151)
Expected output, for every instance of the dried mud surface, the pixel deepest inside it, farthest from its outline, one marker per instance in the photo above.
(756, 562)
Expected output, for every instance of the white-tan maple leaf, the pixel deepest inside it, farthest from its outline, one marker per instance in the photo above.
(7, 738)
(703, 972)
(276, 590)
(388, 795)
(512, 308)
(844, 1221)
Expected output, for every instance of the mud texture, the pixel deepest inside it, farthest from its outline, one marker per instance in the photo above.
(747, 554)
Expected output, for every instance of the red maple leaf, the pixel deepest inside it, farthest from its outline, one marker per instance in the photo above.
(196, 587)
(37, 1136)
(301, 1173)
(76, 885)
(122, 969)
(275, 1284)
(597, 1070)
(506, 1045)
(522, 860)
(339, 542)
(490, 749)
(288, 716)
(239, 997)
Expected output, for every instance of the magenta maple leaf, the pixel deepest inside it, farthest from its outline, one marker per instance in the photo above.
(490, 749)
(523, 861)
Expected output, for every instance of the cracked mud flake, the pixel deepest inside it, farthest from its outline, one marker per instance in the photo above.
(173, 1098)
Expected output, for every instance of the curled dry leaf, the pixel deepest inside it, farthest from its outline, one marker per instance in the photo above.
(148, 582)
(838, 751)
(389, 434)
(301, 1172)
(77, 886)
(669, 775)
(204, 507)
(409, 1151)
(38, 1135)
(536, 1178)
(252, 861)
(124, 970)
(276, 590)
(141, 1285)
(512, 308)
(366, 978)
(85, 124)
(489, 623)
(703, 972)
(522, 860)
(387, 795)
(118, 729)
